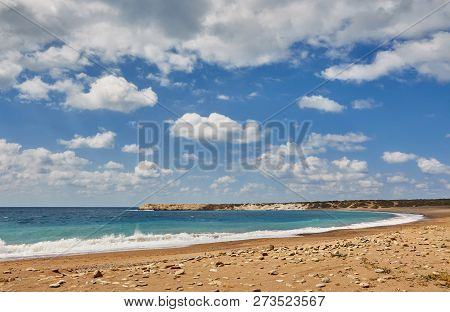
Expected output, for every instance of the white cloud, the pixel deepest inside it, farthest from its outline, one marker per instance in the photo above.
(111, 93)
(320, 175)
(130, 148)
(429, 57)
(29, 169)
(215, 127)
(397, 157)
(173, 37)
(448, 135)
(34, 89)
(318, 143)
(350, 165)
(100, 140)
(432, 166)
(223, 97)
(9, 70)
(55, 59)
(445, 183)
(252, 94)
(222, 182)
(252, 187)
(147, 169)
(320, 103)
(112, 165)
(398, 179)
(364, 104)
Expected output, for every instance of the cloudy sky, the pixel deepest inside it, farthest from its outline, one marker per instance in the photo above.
(77, 77)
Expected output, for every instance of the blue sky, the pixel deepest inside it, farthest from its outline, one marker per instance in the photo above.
(70, 103)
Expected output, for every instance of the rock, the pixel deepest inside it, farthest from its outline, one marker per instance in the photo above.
(57, 284)
(379, 271)
(364, 285)
(98, 274)
(264, 254)
(273, 272)
(179, 272)
(256, 290)
(321, 285)
(219, 264)
(32, 269)
(271, 247)
(7, 272)
(326, 279)
(56, 270)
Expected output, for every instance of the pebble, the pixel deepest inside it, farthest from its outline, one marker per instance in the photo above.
(179, 272)
(364, 285)
(273, 272)
(98, 274)
(57, 284)
(379, 271)
(326, 279)
(321, 285)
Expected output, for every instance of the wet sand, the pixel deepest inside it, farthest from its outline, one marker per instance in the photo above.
(408, 257)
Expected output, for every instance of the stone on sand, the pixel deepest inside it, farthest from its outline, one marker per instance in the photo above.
(98, 274)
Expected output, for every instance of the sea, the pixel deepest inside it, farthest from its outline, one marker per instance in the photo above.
(42, 231)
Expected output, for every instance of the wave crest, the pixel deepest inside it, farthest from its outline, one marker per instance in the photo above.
(140, 240)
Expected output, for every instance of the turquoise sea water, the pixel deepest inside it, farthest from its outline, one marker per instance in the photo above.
(29, 232)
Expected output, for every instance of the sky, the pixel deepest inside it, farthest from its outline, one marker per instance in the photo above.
(368, 83)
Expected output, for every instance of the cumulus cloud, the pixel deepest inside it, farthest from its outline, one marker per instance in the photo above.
(100, 140)
(130, 148)
(397, 157)
(9, 70)
(364, 104)
(432, 166)
(318, 143)
(252, 187)
(147, 169)
(22, 169)
(350, 165)
(223, 97)
(173, 36)
(110, 93)
(398, 179)
(429, 57)
(215, 127)
(34, 89)
(320, 103)
(314, 174)
(222, 182)
(112, 165)
(55, 59)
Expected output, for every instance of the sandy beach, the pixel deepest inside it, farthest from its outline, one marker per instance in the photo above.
(408, 257)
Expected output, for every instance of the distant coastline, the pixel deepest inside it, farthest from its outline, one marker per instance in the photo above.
(344, 204)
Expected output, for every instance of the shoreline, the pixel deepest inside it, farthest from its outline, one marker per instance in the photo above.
(396, 219)
(197, 262)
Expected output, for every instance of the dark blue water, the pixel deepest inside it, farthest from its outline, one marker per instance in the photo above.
(42, 231)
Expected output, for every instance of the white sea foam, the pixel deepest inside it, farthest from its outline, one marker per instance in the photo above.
(154, 241)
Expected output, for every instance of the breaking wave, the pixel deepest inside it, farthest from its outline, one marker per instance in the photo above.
(156, 241)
